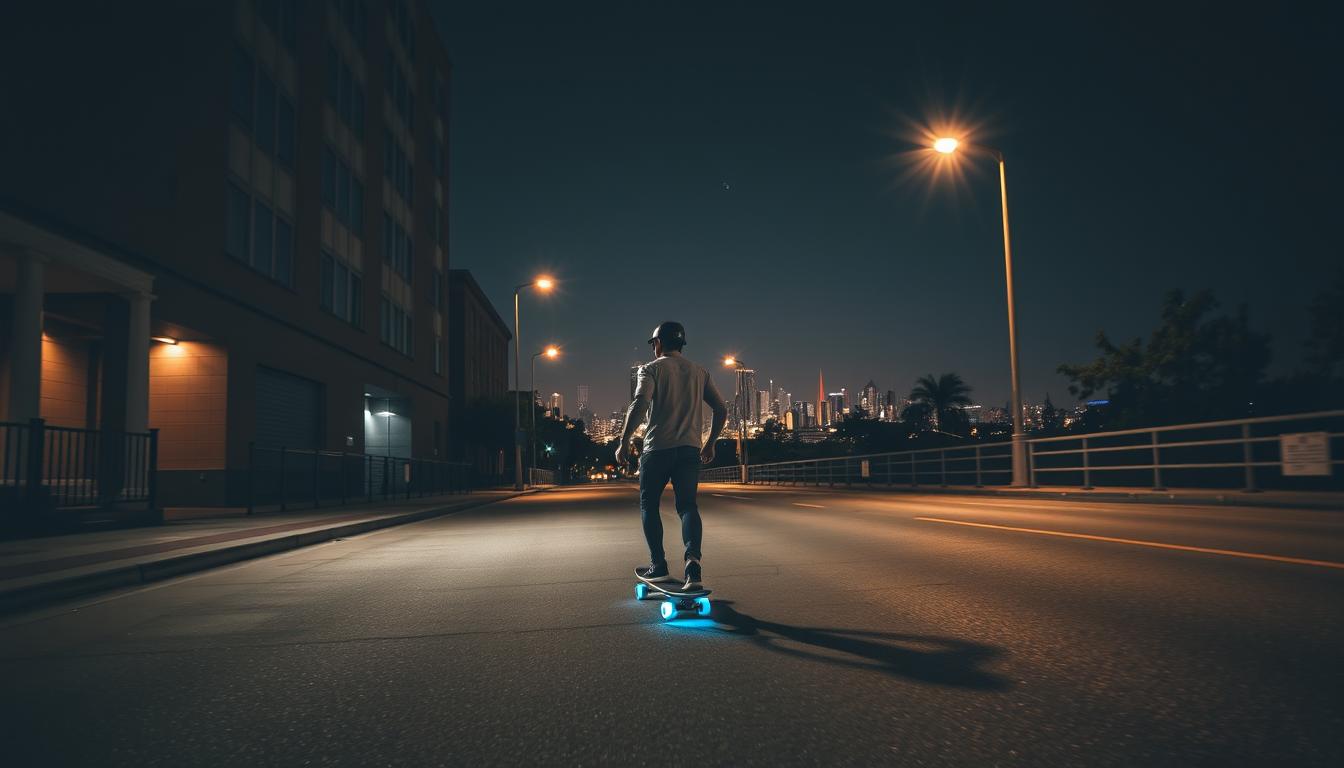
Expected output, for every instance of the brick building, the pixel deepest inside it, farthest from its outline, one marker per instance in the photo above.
(226, 221)
(478, 366)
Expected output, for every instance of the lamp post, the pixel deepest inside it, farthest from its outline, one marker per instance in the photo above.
(551, 351)
(543, 284)
(947, 146)
(737, 365)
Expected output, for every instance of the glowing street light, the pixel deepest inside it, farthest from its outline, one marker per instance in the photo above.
(550, 353)
(731, 361)
(543, 283)
(947, 145)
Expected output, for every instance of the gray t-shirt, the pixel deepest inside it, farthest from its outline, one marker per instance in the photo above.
(677, 390)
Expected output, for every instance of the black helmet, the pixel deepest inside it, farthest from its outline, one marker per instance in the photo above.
(671, 333)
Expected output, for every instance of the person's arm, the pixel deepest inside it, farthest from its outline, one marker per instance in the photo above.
(634, 415)
(715, 402)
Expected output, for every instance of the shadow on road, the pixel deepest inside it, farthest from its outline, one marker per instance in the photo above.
(940, 660)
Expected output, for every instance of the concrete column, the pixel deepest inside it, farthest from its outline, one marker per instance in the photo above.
(137, 363)
(25, 386)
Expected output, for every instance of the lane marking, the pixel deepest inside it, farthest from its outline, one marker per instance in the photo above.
(1137, 542)
(813, 506)
(726, 496)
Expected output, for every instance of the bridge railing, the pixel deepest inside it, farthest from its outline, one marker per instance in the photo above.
(1241, 454)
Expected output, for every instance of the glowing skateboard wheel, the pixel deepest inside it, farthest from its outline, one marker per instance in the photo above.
(668, 610)
(641, 591)
(702, 606)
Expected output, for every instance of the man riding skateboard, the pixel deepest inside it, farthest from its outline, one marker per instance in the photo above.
(668, 396)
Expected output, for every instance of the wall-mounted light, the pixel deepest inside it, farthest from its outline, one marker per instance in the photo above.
(164, 339)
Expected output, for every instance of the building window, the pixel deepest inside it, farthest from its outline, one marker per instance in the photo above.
(263, 110)
(397, 168)
(342, 291)
(355, 18)
(438, 355)
(395, 328)
(399, 89)
(257, 236)
(345, 93)
(342, 192)
(240, 95)
(280, 17)
(398, 250)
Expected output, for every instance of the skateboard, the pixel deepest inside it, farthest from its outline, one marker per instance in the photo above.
(676, 601)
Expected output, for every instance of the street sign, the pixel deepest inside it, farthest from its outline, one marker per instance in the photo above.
(1305, 454)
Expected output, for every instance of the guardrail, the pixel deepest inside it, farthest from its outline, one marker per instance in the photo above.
(537, 476)
(44, 467)
(1236, 454)
(292, 478)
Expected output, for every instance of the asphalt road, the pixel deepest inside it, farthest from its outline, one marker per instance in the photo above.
(848, 628)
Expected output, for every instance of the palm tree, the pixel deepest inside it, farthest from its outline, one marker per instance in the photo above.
(941, 395)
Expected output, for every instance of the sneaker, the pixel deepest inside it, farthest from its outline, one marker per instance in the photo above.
(692, 575)
(654, 573)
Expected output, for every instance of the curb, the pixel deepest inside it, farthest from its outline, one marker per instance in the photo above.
(1224, 499)
(14, 600)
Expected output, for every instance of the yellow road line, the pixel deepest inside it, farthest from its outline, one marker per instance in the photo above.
(813, 506)
(1136, 542)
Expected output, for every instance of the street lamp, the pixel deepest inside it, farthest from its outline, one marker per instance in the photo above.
(947, 145)
(550, 352)
(542, 283)
(732, 362)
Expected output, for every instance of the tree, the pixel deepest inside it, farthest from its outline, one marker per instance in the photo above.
(943, 396)
(1196, 366)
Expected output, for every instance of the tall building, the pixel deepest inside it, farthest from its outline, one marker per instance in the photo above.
(762, 406)
(582, 401)
(744, 395)
(556, 404)
(836, 404)
(232, 216)
(478, 366)
(868, 400)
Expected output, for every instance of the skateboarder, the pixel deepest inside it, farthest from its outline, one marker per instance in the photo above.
(668, 396)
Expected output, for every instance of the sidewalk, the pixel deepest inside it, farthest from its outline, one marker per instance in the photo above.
(39, 570)
(1327, 500)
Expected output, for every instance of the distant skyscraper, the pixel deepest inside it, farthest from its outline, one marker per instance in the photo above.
(785, 400)
(822, 415)
(557, 405)
(892, 412)
(762, 406)
(746, 393)
(583, 397)
(868, 400)
(836, 403)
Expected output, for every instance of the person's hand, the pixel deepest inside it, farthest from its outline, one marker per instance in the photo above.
(707, 453)
(622, 455)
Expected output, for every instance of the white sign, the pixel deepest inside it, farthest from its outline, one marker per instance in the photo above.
(1305, 454)
(864, 469)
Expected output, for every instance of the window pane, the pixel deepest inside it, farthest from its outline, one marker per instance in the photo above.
(329, 179)
(341, 292)
(237, 217)
(328, 278)
(284, 251)
(265, 113)
(261, 241)
(410, 259)
(387, 238)
(333, 74)
(356, 207)
(241, 91)
(284, 151)
(343, 194)
(357, 111)
(356, 300)
(288, 24)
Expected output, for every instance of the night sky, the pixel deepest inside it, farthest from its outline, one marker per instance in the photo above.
(748, 169)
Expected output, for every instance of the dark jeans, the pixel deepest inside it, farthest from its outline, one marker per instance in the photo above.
(681, 465)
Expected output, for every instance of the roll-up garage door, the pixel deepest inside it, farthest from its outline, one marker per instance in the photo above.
(287, 409)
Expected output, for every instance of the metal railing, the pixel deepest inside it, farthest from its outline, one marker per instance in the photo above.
(44, 467)
(538, 476)
(292, 478)
(1236, 454)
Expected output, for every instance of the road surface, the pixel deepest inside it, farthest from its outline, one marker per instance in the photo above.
(848, 628)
